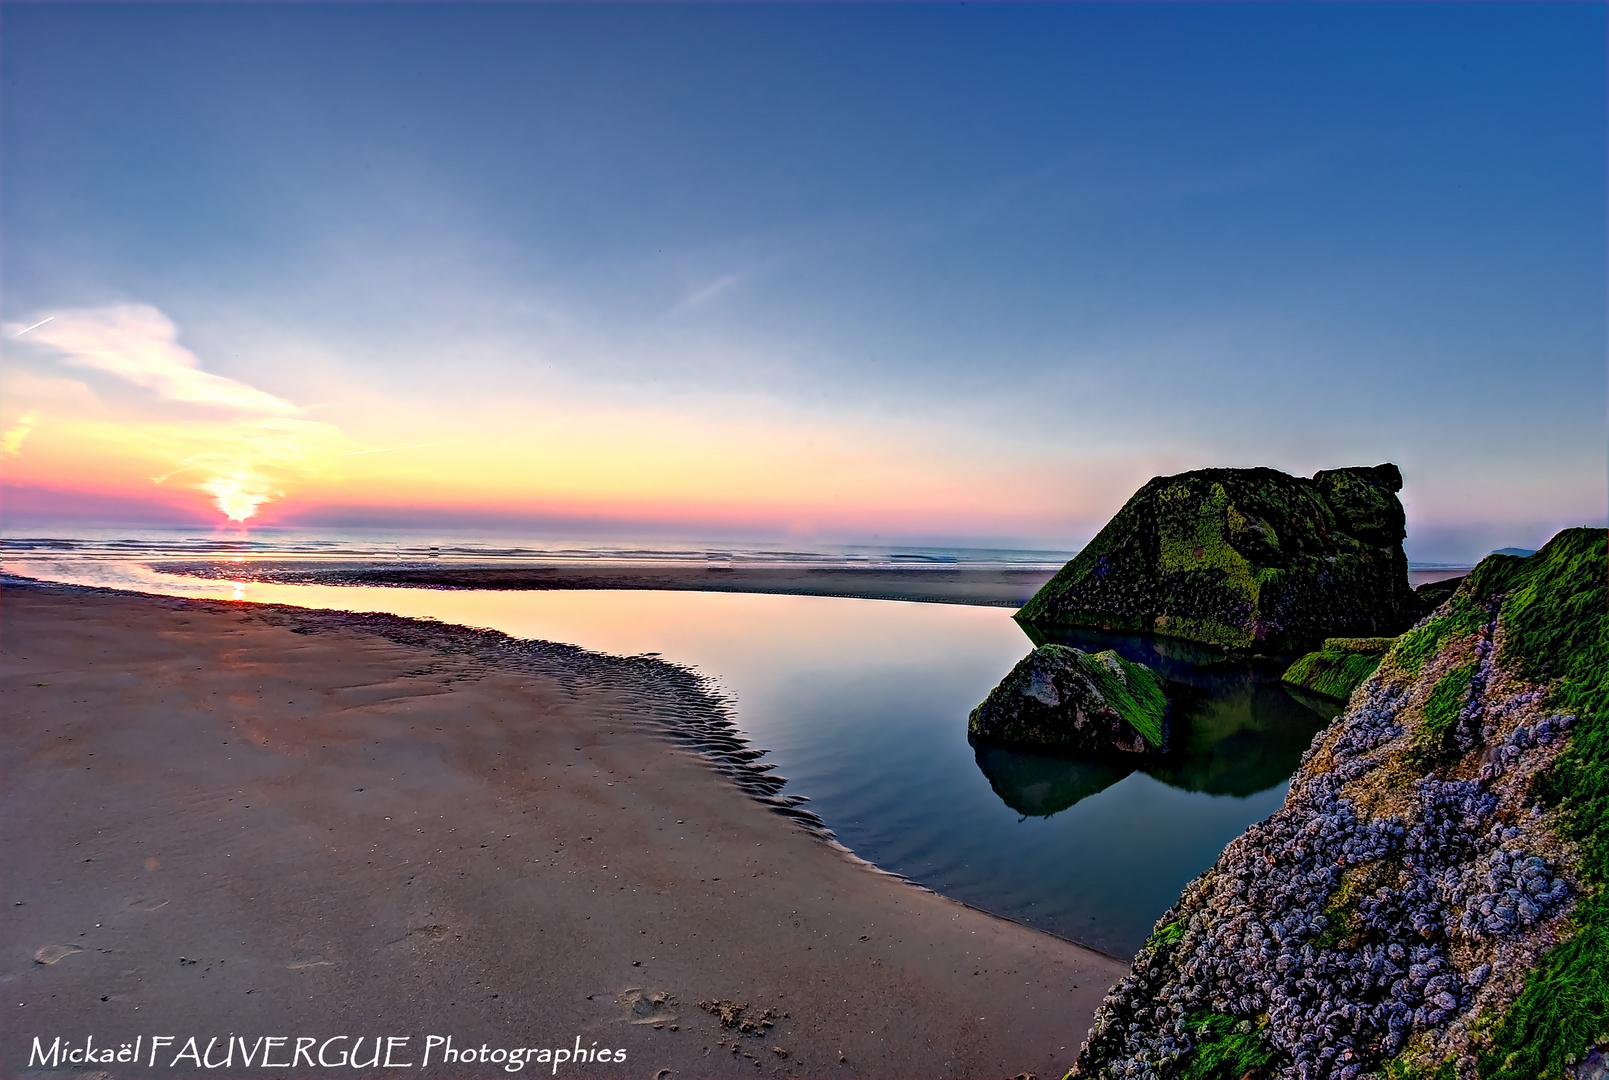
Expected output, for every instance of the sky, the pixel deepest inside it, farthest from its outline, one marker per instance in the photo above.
(909, 273)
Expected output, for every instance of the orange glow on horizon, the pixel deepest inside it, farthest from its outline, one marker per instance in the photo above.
(236, 466)
(729, 461)
(618, 468)
(743, 468)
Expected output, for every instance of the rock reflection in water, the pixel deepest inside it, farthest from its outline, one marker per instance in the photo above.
(1039, 785)
(1240, 734)
(1237, 730)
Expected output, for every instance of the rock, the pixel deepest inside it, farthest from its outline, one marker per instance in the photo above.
(1339, 667)
(1244, 559)
(1595, 1066)
(1429, 900)
(1427, 598)
(1062, 698)
(1231, 730)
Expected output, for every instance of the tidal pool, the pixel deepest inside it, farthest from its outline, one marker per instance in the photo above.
(863, 706)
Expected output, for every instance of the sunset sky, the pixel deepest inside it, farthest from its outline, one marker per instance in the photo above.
(965, 273)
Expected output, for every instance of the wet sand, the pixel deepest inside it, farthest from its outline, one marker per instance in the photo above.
(990, 587)
(227, 818)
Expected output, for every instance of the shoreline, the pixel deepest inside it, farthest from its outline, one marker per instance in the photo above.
(895, 1007)
(991, 586)
(980, 586)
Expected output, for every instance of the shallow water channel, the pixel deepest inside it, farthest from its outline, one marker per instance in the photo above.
(863, 705)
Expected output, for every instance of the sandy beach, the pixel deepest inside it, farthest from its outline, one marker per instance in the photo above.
(230, 819)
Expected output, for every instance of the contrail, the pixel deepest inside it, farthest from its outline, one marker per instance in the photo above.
(35, 326)
(163, 478)
(388, 449)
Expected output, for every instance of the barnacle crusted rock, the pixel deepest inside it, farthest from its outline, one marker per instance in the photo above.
(1430, 900)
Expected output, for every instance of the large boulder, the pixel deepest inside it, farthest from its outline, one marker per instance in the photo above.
(1431, 899)
(1064, 699)
(1244, 559)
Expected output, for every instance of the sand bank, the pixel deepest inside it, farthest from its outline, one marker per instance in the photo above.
(220, 818)
(985, 586)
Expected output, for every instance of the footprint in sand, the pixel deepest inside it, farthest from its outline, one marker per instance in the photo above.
(312, 962)
(419, 936)
(51, 953)
(648, 1006)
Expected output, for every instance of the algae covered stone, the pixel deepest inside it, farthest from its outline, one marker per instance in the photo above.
(1062, 698)
(1244, 559)
(1432, 900)
(1339, 667)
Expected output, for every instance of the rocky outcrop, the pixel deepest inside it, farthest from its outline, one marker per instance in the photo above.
(1427, 598)
(1339, 667)
(1244, 559)
(1430, 902)
(1062, 698)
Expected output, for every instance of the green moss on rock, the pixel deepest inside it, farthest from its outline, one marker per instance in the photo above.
(1226, 1049)
(1245, 559)
(1061, 698)
(1447, 700)
(1555, 616)
(1166, 934)
(1339, 667)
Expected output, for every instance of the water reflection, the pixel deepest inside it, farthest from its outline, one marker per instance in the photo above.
(1239, 734)
(1039, 785)
(1177, 661)
(1236, 729)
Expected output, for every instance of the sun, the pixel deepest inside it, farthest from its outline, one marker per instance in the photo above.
(238, 497)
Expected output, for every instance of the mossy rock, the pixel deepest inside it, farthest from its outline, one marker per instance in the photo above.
(1554, 609)
(1339, 667)
(1244, 559)
(1226, 1048)
(1064, 699)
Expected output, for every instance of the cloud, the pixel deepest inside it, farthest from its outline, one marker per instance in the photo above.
(254, 461)
(253, 457)
(138, 343)
(708, 292)
(11, 441)
(280, 444)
